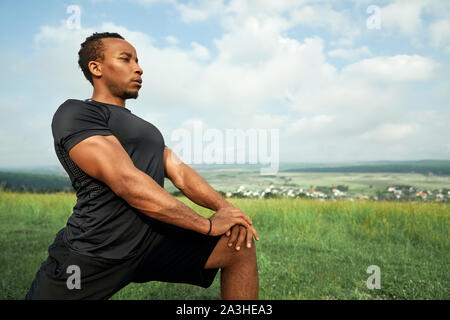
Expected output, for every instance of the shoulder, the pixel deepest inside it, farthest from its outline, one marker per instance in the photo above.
(74, 108)
(71, 102)
(69, 106)
(74, 105)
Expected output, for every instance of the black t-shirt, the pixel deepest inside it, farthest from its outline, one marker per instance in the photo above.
(103, 224)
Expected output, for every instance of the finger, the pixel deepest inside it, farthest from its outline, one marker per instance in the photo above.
(255, 233)
(236, 212)
(241, 221)
(234, 235)
(243, 216)
(249, 236)
(241, 239)
(228, 233)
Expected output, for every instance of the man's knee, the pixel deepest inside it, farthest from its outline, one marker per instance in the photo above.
(224, 256)
(244, 254)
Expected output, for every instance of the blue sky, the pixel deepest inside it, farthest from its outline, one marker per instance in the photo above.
(335, 88)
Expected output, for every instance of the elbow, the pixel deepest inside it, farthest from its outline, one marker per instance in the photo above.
(179, 184)
(179, 180)
(123, 183)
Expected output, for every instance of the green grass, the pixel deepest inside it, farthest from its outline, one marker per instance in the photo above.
(308, 249)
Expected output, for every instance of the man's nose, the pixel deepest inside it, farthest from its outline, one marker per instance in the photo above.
(139, 70)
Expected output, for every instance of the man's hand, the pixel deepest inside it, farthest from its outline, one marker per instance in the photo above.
(238, 234)
(234, 222)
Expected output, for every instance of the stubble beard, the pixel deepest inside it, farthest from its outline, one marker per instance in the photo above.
(130, 95)
(124, 93)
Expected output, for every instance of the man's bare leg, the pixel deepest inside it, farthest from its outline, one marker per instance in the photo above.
(239, 274)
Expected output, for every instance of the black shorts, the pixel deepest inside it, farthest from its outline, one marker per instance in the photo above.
(168, 254)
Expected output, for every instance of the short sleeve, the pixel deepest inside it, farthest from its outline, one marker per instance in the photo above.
(75, 121)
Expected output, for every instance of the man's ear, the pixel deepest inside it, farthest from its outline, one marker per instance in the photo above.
(96, 68)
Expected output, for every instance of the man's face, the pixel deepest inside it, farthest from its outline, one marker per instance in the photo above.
(120, 69)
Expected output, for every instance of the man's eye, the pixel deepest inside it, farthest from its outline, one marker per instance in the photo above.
(125, 59)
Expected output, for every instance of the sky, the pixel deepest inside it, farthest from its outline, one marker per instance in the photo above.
(348, 80)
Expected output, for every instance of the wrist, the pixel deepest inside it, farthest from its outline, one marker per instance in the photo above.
(223, 204)
(210, 227)
(206, 226)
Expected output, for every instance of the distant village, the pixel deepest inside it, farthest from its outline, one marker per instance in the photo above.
(391, 193)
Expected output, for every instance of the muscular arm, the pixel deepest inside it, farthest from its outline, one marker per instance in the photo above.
(193, 186)
(199, 191)
(103, 158)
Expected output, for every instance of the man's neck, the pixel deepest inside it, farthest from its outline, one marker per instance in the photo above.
(108, 99)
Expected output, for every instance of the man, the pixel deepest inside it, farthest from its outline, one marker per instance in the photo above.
(125, 227)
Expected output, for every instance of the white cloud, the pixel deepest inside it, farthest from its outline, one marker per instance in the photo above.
(390, 131)
(396, 68)
(252, 41)
(150, 2)
(310, 126)
(404, 16)
(350, 54)
(343, 42)
(199, 52)
(440, 33)
(200, 11)
(255, 7)
(324, 17)
(172, 40)
(287, 14)
(268, 121)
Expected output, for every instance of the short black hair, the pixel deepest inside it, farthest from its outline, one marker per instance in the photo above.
(92, 49)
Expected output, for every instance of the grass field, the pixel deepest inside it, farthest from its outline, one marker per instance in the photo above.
(308, 249)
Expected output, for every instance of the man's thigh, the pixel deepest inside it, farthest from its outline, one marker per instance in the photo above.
(177, 255)
(66, 275)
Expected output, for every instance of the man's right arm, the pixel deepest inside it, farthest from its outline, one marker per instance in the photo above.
(103, 158)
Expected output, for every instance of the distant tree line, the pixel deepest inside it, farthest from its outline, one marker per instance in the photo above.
(34, 183)
(437, 168)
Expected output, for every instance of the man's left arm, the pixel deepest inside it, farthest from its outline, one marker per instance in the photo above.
(188, 181)
(193, 186)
